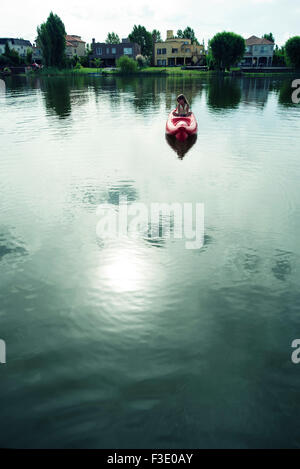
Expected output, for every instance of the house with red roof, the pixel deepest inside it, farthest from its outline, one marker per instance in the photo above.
(74, 46)
(259, 52)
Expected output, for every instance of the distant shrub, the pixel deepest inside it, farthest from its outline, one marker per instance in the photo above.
(77, 66)
(127, 64)
(141, 61)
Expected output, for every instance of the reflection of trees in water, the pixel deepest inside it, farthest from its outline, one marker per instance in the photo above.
(57, 95)
(285, 92)
(61, 93)
(190, 87)
(181, 148)
(223, 93)
(138, 92)
(145, 93)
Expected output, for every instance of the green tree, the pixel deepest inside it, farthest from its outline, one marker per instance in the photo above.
(52, 40)
(292, 51)
(269, 36)
(112, 38)
(97, 63)
(29, 57)
(12, 56)
(126, 64)
(279, 58)
(156, 37)
(142, 37)
(227, 49)
(189, 33)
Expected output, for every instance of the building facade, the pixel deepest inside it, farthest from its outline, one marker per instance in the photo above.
(109, 53)
(19, 45)
(259, 52)
(74, 46)
(177, 51)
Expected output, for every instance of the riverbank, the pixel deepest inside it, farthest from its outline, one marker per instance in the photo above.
(51, 71)
(158, 71)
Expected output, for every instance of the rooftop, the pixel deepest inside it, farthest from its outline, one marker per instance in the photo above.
(254, 40)
(73, 37)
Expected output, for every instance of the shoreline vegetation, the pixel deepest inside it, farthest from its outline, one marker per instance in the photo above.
(158, 71)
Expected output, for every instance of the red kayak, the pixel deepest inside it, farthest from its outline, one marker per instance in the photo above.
(181, 127)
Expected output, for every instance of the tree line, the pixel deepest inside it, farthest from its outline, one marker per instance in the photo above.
(225, 49)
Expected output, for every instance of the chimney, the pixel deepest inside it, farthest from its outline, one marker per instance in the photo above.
(170, 34)
(93, 40)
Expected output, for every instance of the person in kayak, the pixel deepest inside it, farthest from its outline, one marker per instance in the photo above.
(183, 107)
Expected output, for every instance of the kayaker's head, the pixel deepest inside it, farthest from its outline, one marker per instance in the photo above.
(181, 99)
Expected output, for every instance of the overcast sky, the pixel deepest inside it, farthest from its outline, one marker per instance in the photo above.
(93, 18)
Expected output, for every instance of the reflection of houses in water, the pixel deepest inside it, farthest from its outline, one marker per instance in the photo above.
(255, 90)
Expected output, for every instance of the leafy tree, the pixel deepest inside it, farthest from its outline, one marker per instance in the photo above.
(52, 40)
(112, 38)
(292, 51)
(97, 63)
(142, 37)
(141, 61)
(279, 58)
(29, 57)
(12, 56)
(156, 37)
(189, 33)
(227, 49)
(269, 36)
(126, 64)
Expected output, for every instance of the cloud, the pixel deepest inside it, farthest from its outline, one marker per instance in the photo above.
(94, 19)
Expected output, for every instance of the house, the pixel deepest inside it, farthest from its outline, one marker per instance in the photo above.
(74, 46)
(37, 55)
(177, 51)
(19, 45)
(109, 53)
(259, 52)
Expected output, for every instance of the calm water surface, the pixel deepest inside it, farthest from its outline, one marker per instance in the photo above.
(136, 343)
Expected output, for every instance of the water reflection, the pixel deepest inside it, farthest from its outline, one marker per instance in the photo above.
(181, 148)
(10, 245)
(282, 267)
(57, 95)
(223, 94)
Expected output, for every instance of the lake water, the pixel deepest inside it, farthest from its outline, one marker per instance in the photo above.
(140, 342)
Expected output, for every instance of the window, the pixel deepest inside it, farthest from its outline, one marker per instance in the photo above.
(159, 62)
(164, 51)
(107, 50)
(113, 50)
(158, 51)
(128, 50)
(164, 62)
(99, 51)
(174, 51)
(188, 50)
